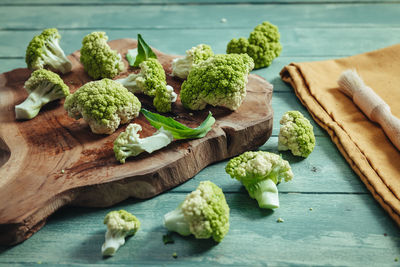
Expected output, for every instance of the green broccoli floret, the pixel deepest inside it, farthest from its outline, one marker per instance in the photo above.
(44, 51)
(43, 87)
(262, 46)
(151, 75)
(151, 81)
(165, 96)
(103, 104)
(260, 172)
(204, 213)
(120, 224)
(182, 66)
(219, 81)
(296, 134)
(129, 143)
(98, 59)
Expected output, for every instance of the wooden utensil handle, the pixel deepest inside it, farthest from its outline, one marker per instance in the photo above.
(389, 123)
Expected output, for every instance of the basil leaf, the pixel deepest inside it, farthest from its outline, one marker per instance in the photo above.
(144, 52)
(177, 129)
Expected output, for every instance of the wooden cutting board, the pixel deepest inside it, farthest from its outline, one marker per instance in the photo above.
(53, 160)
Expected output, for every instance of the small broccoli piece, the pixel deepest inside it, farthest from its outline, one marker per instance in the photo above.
(296, 134)
(151, 81)
(204, 213)
(120, 224)
(129, 143)
(103, 105)
(44, 51)
(43, 87)
(182, 66)
(151, 76)
(98, 59)
(260, 172)
(219, 81)
(165, 95)
(262, 46)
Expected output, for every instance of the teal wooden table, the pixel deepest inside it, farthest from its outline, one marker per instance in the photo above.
(329, 216)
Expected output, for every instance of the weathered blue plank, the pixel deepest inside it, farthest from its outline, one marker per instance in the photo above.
(362, 234)
(304, 42)
(193, 16)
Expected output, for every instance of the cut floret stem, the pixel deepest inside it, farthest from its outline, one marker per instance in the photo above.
(57, 62)
(175, 221)
(131, 83)
(112, 243)
(266, 194)
(35, 101)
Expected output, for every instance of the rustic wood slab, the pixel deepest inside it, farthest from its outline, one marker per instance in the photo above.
(53, 160)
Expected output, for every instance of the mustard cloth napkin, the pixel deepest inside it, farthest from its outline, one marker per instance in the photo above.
(362, 142)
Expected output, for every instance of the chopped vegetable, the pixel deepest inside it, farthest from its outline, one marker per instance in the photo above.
(131, 56)
(178, 130)
(280, 220)
(103, 104)
(129, 143)
(296, 134)
(204, 213)
(262, 46)
(98, 59)
(43, 87)
(151, 81)
(167, 239)
(120, 224)
(182, 66)
(260, 172)
(219, 81)
(144, 52)
(44, 51)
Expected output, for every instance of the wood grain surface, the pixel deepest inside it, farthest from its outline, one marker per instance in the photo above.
(53, 160)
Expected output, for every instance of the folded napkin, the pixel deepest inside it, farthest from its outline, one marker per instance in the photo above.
(362, 142)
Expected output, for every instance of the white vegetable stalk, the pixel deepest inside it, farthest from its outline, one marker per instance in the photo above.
(175, 221)
(34, 102)
(266, 194)
(371, 104)
(112, 243)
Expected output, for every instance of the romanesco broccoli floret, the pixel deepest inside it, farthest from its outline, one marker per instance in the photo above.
(129, 143)
(120, 224)
(43, 87)
(182, 66)
(165, 96)
(262, 45)
(44, 51)
(151, 81)
(219, 81)
(296, 134)
(103, 104)
(151, 76)
(204, 213)
(260, 172)
(98, 59)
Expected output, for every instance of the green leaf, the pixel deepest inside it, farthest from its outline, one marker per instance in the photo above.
(177, 129)
(144, 52)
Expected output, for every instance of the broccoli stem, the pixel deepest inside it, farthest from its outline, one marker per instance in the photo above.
(112, 243)
(57, 60)
(130, 83)
(57, 50)
(175, 221)
(266, 194)
(29, 108)
(39, 97)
